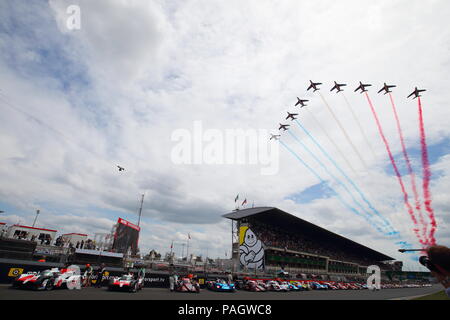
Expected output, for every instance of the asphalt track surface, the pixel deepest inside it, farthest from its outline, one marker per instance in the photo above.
(6, 293)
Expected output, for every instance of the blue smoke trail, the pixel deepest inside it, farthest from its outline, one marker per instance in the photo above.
(332, 176)
(337, 194)
(386, 222)
(402, 243)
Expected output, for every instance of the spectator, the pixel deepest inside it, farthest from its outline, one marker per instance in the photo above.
(230, 278)
(100, 274)
(87, 275)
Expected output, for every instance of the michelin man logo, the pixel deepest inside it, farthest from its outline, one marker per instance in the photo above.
(251, 250)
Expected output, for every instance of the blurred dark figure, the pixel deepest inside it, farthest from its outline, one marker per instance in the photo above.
(100, 274)
(438, 262)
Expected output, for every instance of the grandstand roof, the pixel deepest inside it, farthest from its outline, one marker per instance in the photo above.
(282, 219)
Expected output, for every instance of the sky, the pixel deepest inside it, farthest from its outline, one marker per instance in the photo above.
(76, 103)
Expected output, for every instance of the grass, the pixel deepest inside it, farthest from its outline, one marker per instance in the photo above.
(435, 296)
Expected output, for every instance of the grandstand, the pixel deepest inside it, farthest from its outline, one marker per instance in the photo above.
(295, 245)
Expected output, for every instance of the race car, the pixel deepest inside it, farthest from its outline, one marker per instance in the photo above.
(253, 286)
(273, 285)
(342, 286)
(284, 286)
(300, 286)
(126, 283)
(353, 286)
(68, 278)
(291, 286)
(330, 286)
(221, 286)
(186, 285)
(45, 280)
(318, 286)
(306, 285)
(239, 284)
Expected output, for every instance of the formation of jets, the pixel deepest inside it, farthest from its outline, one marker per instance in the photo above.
(275, 136)
(362, 87)
(301, 102)
(338, 87)
(387, 88)
(292, 116)
(416, 93)
(314, 85)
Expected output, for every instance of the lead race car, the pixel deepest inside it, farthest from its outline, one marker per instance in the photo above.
(49, 280)
(126, 283)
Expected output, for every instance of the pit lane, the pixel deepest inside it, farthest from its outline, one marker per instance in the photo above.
(6, 293)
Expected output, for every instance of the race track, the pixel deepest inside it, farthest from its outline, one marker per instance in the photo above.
(6, 293)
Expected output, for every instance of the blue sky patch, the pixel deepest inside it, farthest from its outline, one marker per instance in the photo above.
(315, 192)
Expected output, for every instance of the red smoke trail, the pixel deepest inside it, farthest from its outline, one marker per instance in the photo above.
(397, 172)
(426, 176)
(410, 171)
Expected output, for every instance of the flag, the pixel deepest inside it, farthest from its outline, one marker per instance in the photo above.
(244, 202)
(237, 198)
(171, 246)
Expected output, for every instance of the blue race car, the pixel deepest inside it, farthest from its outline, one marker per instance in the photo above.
(221, 285)
(318, 286)
(291, 286)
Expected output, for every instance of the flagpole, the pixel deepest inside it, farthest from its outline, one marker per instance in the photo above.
(187, 250)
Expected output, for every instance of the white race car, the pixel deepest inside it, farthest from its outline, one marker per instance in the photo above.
(49, 279)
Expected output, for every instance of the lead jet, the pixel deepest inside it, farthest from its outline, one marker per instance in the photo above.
(314, 85)
(121, 168)
(416, 92)
(362, 87)
(301, 102)
(337, 87)
(275, 136)
(292, 116)
(386, 88)
(285, 127)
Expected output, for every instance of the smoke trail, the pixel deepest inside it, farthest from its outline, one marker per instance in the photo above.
(426, 175)
(387, 223)
(323, 181)
(410, 170)
(333, 177)
(343, 131)
(363, 133)
(397, 172)
(332, 141)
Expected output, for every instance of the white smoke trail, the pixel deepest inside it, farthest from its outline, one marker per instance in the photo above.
(363, 133)
(331, 141)
(343, 131)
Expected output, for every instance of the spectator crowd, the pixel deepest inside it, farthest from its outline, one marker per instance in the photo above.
(272, 236)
